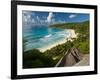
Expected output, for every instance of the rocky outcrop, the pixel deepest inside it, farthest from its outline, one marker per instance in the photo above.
(71, 57)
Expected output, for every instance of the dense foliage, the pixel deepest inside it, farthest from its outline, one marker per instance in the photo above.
(82, 28)
(34, 58)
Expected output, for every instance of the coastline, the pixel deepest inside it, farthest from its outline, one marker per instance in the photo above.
(72, 35)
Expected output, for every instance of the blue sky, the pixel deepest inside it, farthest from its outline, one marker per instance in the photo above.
(42, 18)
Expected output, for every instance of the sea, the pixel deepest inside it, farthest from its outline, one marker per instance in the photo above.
(40, 36)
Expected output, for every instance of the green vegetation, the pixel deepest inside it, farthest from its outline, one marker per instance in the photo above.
(82, 28)
(35, 59)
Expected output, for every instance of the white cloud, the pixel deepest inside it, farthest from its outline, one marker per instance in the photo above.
(49, 18)
(72, 16)
(42, 21)
(33, 21)
(27, 16)
(30, 17)
(37, 17)
(24, 18)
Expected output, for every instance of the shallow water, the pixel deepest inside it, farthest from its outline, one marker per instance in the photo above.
(37, 37)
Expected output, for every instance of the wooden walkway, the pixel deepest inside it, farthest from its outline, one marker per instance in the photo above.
(71, 57)
(85, 61)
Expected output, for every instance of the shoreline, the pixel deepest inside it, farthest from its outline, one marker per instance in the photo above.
(72, 35)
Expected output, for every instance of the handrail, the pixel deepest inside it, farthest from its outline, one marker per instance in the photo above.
(75, 54)
(61, 59)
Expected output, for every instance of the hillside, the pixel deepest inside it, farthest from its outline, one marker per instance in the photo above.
(82, 28)
(34, 58)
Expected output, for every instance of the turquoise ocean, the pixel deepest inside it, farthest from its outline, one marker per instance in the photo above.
(37, 37)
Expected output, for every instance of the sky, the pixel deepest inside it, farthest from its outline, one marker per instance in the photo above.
(44, 18)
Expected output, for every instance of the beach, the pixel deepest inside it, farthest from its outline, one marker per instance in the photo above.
(71, 35)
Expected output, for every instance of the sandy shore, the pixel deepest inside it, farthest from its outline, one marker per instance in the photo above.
(71, 35)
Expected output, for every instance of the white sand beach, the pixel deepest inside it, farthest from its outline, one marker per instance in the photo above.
(69, 37)
(72, 33)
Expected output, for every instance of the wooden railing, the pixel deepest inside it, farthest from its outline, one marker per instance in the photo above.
(71, 57)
